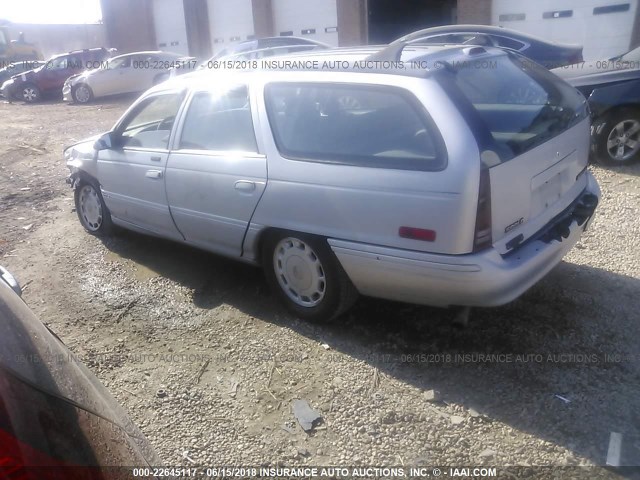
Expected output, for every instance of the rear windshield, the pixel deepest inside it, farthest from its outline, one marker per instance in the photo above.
(512, 105)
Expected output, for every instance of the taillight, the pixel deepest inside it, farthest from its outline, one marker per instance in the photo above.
(482, 238)
(18, 461)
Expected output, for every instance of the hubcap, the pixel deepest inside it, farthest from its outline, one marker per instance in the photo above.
(29, 94)
(624, 140)
(90, 208)
(82, 94)
(299, 272)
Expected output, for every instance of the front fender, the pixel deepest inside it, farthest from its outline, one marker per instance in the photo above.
(78, 176)
(604, 98)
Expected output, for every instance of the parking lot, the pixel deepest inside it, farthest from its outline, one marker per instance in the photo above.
(209, 364)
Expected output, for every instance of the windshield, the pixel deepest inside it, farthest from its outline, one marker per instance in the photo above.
(118, 62)
(57, 63)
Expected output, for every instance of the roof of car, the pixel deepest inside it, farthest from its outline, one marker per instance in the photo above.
(75, 52)
(487, 29)
(416, 61)
(146, 52)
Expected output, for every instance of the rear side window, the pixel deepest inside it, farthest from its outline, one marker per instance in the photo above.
(508, 43)
(512, 105)
(368, 126)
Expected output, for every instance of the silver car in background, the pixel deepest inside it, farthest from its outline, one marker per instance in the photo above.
(133, 72)
(253, 50)
(432, 181)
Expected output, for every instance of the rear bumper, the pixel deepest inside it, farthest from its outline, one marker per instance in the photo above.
(484, 279)
(8, 90)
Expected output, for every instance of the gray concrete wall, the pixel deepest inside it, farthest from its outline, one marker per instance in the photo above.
(54, 39)
(129, 25)
(474, 12)
(352, 22)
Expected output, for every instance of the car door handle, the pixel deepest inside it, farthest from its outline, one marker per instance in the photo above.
(156, 159)
(245, 186)
(155, 174)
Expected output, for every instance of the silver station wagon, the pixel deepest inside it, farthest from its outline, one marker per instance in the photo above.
(447, 176)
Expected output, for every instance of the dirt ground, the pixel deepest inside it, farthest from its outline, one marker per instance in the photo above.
(208, 363)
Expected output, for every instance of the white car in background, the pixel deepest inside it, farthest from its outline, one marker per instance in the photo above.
(132, 72)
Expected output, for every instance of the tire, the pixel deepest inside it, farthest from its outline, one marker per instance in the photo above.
(92, 212)
(618, 142)
(307, 277)
(29, 93)
(82, 93)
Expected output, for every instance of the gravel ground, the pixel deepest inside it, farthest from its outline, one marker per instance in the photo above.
(209, 365)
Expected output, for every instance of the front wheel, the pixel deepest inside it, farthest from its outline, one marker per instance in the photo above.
(82, 93)
(91, 209)
(618, 142)
(30, 93)
(303, 271)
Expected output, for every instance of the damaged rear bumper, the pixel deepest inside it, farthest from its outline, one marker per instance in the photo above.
(482, 279)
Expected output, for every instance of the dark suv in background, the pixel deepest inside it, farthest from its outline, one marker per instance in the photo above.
(49, 79)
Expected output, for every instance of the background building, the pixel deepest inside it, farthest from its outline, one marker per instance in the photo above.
(202, 27)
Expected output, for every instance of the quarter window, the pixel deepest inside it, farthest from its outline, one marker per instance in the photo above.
(508, 43)
(219, 121)
(150, 124)
(360, 125)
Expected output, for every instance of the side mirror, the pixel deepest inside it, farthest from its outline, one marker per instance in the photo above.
(105, 142)
(10, 280)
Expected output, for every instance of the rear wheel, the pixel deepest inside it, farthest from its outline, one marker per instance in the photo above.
(30, 93)
(303, 271)
(91, 209)
(82, 93)
(618, 143)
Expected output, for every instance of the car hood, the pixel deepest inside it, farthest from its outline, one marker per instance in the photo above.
(74, 78)
(84, 147)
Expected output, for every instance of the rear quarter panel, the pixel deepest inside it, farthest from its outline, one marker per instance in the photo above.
(370, 204)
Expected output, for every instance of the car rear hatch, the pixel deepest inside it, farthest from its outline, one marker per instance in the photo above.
(533, 132)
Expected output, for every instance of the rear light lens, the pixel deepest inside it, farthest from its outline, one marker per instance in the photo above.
(19, 461)
(417, 234)
(482, 237)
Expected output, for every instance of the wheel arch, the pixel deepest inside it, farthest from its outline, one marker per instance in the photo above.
(603, 115)
(254, 245)
(80, 176)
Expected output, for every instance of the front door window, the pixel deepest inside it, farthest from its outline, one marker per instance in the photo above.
(149, 125)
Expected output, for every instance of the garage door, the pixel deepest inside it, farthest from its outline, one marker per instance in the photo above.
(171, 33)
(603, 27)
(230, 21)
(317, 19)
